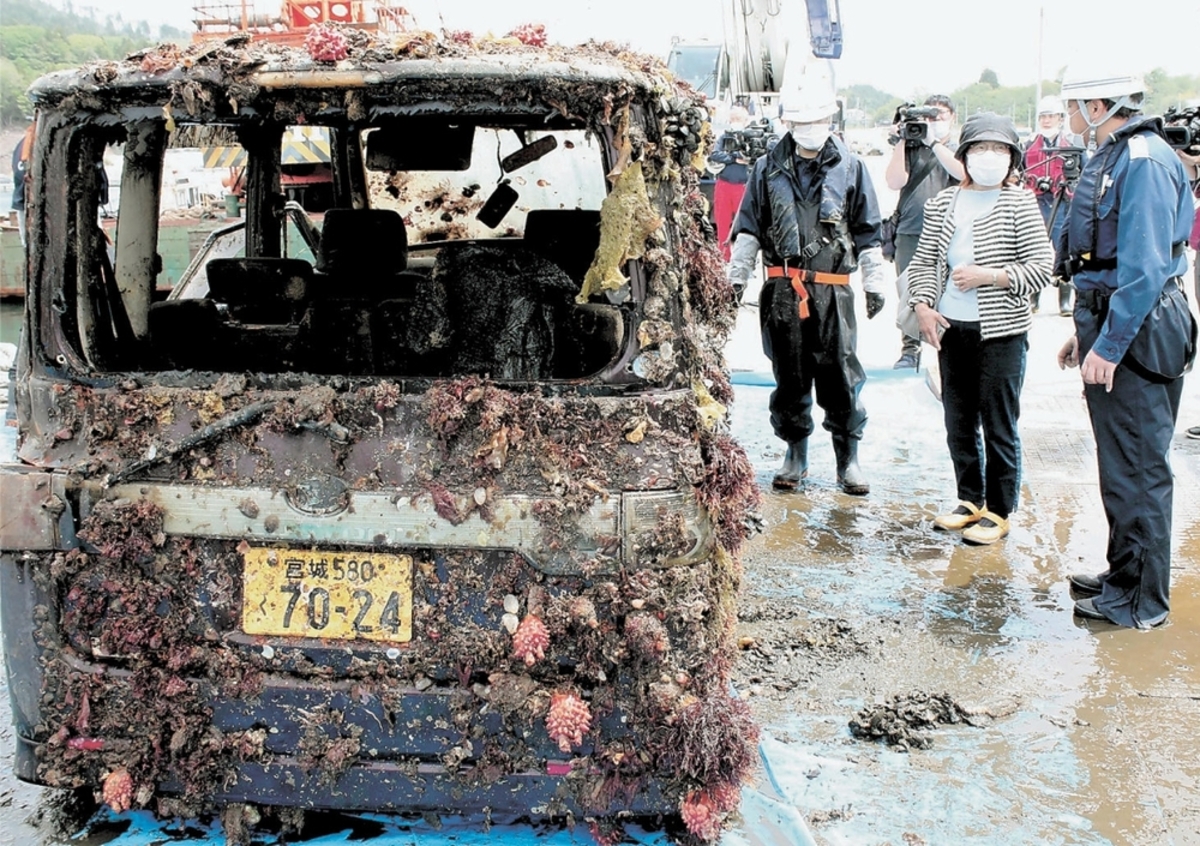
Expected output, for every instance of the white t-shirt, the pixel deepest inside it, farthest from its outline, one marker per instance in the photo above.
(968, 205)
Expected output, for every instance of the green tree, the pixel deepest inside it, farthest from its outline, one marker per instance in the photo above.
(36, 38)
(988, 77)
(1164, 92)
(14, 105)
(879, 106)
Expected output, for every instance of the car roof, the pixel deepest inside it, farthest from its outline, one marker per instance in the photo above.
(247, 70)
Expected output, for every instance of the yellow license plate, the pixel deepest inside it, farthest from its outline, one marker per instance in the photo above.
(312, 593)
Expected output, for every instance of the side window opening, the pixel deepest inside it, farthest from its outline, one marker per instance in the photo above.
(97, 305)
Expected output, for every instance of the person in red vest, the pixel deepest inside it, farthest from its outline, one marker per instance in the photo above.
(734, 170)
(1044, 177)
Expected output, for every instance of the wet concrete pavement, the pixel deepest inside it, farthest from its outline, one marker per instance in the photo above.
(1096, 734)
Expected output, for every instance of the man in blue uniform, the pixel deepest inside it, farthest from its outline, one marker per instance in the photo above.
(1134, 335)
(810, 207)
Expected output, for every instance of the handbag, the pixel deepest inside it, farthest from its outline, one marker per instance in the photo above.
(906, 316)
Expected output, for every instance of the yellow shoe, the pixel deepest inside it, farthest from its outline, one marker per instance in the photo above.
(990, 528)
(964, 515)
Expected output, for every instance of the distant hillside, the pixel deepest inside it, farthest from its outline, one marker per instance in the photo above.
(82, 20)
(1018, 101)
(36, 38)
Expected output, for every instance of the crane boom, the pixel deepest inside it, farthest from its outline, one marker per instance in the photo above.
(750, 60)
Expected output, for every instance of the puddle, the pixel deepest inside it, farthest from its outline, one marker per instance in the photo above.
(965, 790)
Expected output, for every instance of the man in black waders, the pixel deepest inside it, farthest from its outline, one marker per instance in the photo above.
(810, 207)
(1134, 335)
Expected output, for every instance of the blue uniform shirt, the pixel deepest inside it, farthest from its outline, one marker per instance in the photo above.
(1134, 192)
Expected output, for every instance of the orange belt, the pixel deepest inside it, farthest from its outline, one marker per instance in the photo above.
(799, 276)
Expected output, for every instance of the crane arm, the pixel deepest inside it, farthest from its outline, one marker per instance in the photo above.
(758, 44)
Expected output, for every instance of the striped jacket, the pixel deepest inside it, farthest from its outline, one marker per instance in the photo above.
(1011, 236)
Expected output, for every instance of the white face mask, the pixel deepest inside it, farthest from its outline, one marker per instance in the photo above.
(988, 169)
(810, 136)
(1073, 138)
(1048, 132)
(940, 129)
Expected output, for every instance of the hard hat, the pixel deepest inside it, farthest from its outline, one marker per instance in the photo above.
(1050, 105)
(1084, 84)
(987, 126)
(808, 92)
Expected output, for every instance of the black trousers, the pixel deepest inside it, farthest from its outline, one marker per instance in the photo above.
(1133, 426)
(981, 402)
(819, 352)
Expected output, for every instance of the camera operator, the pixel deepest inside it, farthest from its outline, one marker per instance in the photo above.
(732, 166)
(1044, 176)
(922, 165)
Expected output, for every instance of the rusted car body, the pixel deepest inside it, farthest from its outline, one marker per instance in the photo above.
(426, 505)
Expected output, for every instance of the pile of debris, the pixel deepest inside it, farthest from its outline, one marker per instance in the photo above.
(904, 721)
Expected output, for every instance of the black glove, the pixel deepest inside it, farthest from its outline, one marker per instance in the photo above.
(874, 304)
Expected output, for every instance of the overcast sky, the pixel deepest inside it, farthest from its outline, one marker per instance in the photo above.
(904, 47)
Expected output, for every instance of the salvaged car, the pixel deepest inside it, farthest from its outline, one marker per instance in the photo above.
(423, 504)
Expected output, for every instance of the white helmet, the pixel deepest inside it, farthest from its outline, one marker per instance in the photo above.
(1122, 89)
(1049, 105)
(808, 92)
(1111, 85)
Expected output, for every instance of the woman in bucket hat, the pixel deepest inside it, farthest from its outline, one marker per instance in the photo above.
(983, 252)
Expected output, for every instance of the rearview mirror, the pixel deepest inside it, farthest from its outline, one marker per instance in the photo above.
(498, 205)
(528, 154)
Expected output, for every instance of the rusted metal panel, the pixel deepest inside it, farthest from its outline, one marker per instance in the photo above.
(35, 511)
(386, 520)
(414, 723)
(426, 787)
(20, 595)
(377, 519)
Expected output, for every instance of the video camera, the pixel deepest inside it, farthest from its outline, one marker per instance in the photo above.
(749, 143)
(1072, 164)
(1182, 128)
(1072, 167)
(912, 121)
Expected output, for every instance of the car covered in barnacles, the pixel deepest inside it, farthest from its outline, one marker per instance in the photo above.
(423, 503)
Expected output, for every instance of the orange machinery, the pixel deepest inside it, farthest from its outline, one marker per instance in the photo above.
(288, 23)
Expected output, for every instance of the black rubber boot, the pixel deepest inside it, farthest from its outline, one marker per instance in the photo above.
(849, 476)
(795, 466)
